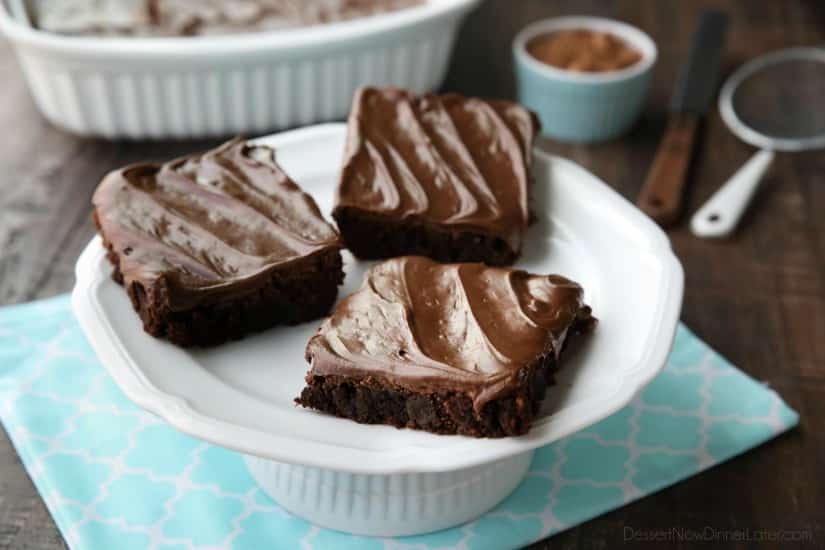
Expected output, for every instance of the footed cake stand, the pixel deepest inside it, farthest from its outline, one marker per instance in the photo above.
(378, 480)
(389, 505)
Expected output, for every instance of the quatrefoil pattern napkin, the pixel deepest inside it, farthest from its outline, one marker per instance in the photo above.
(114, 476)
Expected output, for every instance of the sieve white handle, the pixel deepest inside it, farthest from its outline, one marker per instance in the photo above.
(720, 214)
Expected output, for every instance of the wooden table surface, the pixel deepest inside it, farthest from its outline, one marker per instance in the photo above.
(758, 297)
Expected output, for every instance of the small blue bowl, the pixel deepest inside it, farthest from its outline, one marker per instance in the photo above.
(583, 107)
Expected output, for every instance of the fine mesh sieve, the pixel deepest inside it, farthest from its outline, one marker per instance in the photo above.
(777, 103)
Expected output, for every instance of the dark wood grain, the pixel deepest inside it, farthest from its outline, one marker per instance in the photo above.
(758, 297)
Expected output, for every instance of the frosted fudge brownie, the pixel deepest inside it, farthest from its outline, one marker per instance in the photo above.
(216, 245)
(447, 348)
(443, 176)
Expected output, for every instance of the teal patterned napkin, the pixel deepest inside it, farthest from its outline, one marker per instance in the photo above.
(114, 476)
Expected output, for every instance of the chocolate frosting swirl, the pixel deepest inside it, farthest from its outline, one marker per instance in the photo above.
(212, 224)
(447, 160)
(426, 326)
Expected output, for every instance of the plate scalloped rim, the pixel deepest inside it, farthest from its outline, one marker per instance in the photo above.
(179, 413)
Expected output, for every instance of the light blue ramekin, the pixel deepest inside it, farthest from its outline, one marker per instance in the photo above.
(583, 107)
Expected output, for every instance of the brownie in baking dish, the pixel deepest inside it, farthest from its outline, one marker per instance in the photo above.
(443, 176)
(217, 245)
(447, 348)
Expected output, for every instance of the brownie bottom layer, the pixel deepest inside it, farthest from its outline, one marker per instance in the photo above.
(371, 238)
(368, 402)
(291, 296)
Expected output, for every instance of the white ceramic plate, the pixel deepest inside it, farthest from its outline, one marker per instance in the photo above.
(240, 395)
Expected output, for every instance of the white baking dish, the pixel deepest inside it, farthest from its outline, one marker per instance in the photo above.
(218, 85)
(376, 479)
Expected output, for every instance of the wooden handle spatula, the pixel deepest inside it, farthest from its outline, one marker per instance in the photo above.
(664, 188)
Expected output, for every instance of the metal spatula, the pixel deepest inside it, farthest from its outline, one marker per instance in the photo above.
(663, 191)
